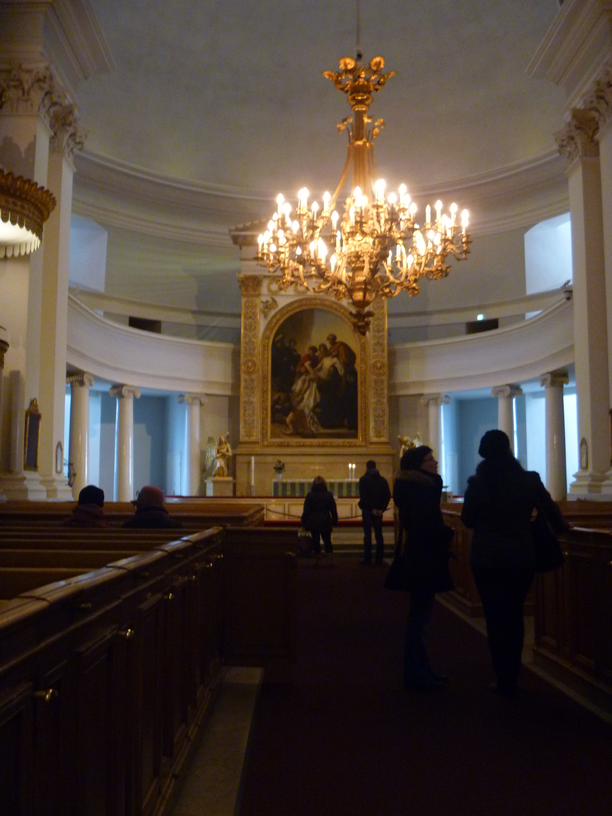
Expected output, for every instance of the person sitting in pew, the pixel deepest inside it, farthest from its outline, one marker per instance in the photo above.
(88, 511)
(150, 510)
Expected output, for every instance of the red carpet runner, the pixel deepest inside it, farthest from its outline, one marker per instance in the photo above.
(343, 738)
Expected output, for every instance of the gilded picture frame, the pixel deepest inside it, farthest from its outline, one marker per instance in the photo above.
(314, 377)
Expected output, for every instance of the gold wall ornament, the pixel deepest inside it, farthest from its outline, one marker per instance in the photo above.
(375, 248)
(24, 208)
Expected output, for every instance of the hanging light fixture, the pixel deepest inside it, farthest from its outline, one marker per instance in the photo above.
(24, 208)
(375, 247)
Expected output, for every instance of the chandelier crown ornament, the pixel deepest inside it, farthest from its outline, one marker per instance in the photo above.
(375, 247)
(24, 208)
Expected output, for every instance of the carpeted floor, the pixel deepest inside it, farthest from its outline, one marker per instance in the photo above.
(344, 738)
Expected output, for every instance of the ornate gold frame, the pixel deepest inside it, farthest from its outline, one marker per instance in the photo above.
(324, 304)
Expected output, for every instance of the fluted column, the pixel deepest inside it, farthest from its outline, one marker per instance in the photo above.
(577, 141)
(556, 474)
(78, 456)
(124, 437)
(505, 409)
(192, 441)
(434, 403)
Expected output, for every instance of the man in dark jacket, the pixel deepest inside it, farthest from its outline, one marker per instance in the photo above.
(374, 496)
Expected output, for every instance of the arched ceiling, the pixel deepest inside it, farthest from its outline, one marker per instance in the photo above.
(231, 93)
(215, 106)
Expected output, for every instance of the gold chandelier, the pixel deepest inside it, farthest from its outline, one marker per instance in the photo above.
(24, 208)
(376, 247)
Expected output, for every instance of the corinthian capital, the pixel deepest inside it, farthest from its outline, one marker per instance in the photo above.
(599, 100)
(23, 89)
(250, 285)
(577, 140)
(68, 134)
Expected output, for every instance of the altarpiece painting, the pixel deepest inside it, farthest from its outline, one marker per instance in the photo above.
(314, 379)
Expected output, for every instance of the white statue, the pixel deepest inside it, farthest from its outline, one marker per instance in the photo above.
(406, 443)
(210, 459)
(217, 457)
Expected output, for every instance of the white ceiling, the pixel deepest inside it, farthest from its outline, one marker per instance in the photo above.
(227, 97)
(231, 93)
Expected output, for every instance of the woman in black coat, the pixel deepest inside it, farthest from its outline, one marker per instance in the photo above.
(417, 491)
(498, 504)
(320, 515)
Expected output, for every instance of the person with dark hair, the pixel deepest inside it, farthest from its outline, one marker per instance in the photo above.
(150, 510)
(417, 492)
(498, 504)
(374, 497)
(319, 516)
(89, 509)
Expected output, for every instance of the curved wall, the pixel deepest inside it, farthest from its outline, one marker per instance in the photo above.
(518, 353)
(121, 354)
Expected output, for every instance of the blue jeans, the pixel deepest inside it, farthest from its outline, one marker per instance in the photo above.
(372, 522)
(417, 668)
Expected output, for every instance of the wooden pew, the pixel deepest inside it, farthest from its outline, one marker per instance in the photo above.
(106, 677)
(201, 513)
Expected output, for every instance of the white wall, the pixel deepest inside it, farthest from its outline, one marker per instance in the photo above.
(88, 245)
(548, 254)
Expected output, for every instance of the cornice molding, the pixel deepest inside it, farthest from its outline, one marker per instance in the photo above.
(114, 193)
(75, 43)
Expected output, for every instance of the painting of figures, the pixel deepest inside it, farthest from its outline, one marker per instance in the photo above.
(313, 377)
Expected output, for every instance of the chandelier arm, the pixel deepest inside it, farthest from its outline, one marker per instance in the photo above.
(343, 178)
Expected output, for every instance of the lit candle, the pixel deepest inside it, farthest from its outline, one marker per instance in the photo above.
(428, 214)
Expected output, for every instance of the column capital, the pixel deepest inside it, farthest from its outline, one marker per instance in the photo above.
(190, 399)
(250, 285)
(577, 139)
(68, 133)
(598, 100)
(554, 379)
(23, 88)
(435, 399)
(507, 391)
(80, 378)
(124, 391)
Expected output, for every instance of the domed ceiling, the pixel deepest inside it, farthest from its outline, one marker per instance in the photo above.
(214, 107)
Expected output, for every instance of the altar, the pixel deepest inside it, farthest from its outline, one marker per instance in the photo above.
(341, 488)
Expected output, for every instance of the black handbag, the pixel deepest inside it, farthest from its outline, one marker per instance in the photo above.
(397, 578)
(548, 553)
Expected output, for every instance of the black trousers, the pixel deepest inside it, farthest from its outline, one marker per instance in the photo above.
(317, 535)
(372, 522)
(503, 594)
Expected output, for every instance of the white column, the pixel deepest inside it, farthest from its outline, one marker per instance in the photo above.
(434, 403)
(124, 436)
(78, 456)
(54, 316)
(577, 142)
(556, 475)
(192, 441)
(505, 409)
